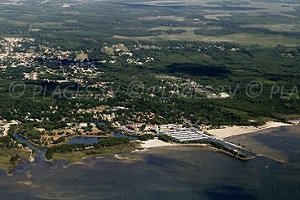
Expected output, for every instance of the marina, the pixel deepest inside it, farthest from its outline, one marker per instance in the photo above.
(193, 135)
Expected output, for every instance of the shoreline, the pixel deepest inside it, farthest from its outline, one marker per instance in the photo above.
(231, 131)
(221, 133)
(155, 143)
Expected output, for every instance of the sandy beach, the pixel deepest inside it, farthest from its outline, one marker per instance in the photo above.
(156, 143)
(229, 131)
(222, 133)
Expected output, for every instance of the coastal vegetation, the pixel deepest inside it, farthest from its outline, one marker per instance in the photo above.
(9, 158)
(103, 144)
(77, 156)
(11, 153)
(146, 137)
(165, 138)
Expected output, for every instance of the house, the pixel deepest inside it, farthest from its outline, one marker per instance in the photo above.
(4, 127)
(134, 126)
(151, 127)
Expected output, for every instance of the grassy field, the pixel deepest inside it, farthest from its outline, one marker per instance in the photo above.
(77, 156)
(78, 24)
(7, 154)
(241, 38)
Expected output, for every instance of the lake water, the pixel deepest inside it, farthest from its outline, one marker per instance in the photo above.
(166, 173)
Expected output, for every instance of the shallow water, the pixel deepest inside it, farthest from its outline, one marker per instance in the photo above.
(166, 173)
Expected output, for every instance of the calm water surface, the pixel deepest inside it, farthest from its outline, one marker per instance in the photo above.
(168, 173)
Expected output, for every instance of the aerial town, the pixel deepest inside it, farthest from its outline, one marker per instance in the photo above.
(84, 93)
(45, 64)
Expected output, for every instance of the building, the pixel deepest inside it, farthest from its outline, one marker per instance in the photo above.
(185, 134)
(2, 131)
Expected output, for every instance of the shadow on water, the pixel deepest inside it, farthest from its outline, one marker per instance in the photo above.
(163, 162)
(226, 192)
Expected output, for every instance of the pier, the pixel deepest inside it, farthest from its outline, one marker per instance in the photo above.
(193, 135)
